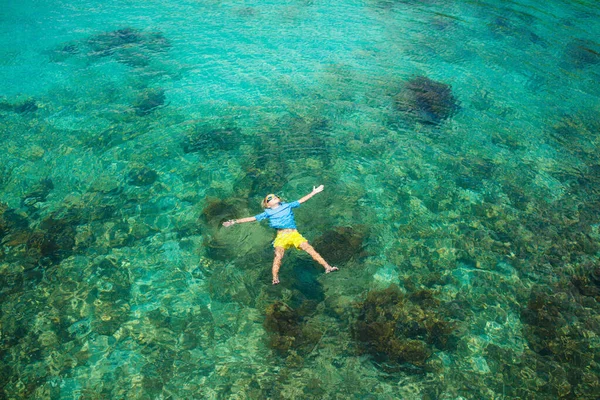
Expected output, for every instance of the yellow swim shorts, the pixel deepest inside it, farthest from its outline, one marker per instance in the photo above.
(289, 239)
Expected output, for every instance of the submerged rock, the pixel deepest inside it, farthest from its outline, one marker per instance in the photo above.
(207, 138)
(288, 330)
(582, 53)
(21, 107)
(398, 329)
(217, 211)
(47, 243)
(56, 238)
(560, 327)
(142, 176)
(262, 176)
(105, 44)
(588, 284)
(38, 193)
(341, 244)
(11, 221)
(283, 323)
(129, 46)
(218, 248)
(64, 51)
(577, 133)
(148, 101)
(427, 101)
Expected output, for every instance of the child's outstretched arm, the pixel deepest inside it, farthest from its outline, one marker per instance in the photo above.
(227, 224)
(315, 190)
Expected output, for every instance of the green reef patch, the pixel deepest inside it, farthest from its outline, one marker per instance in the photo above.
(395, 329)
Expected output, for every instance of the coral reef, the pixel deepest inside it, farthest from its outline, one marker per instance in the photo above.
(560, 328)
(206, 138)
(21, 107)
(55, 239)
(142, 176)
(219, 244)
(588, 284)
(109, 297)
(217, 211)
(398, 329)
(130, 46)
(106, 44)
(118, 42)
(38, 193)
(289, 143)
(51, 241)
(341, 244)
(576, 133)
(582, 53)
(261, 177)
(149, 100)
(288, 330)
(426, 101)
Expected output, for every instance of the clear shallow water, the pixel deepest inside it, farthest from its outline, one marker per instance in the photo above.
(130, 131)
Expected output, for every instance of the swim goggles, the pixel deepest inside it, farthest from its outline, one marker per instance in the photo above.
(269, 197)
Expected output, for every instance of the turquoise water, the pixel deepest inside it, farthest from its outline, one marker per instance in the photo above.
(457, 142)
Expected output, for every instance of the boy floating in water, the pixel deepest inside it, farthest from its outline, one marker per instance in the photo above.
(281, 217)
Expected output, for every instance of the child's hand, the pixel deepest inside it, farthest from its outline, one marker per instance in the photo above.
(318, 189)
(227, 224)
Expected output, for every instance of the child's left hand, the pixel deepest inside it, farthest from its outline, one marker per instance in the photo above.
(317, 189)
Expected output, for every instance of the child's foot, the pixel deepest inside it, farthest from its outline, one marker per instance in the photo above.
(331, 269)
(275, 281)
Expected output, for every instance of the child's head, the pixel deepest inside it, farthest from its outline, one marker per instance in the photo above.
(270, 200)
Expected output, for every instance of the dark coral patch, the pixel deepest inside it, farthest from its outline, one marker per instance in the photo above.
(582, 53)
(288, 330)
(545, 316)
(129, 46)
(148, 101)
(205, 138)
(105, 44)
(261, 177)
(38, 193)
(142, 176)
(397, 329)
(426, 101)
(341, 244)
(559, 327)
(50, 242)
(216, 211)
(588, 284)
(293, 139)
(11, 220)
(21, 107)
(55, 239)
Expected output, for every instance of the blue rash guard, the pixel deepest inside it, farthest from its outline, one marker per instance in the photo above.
(280, 217)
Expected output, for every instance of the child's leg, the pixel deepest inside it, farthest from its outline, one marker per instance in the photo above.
(317, 257)
(277, 263)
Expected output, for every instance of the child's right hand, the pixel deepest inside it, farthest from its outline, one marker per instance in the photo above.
(227, 224)
(318, 189)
